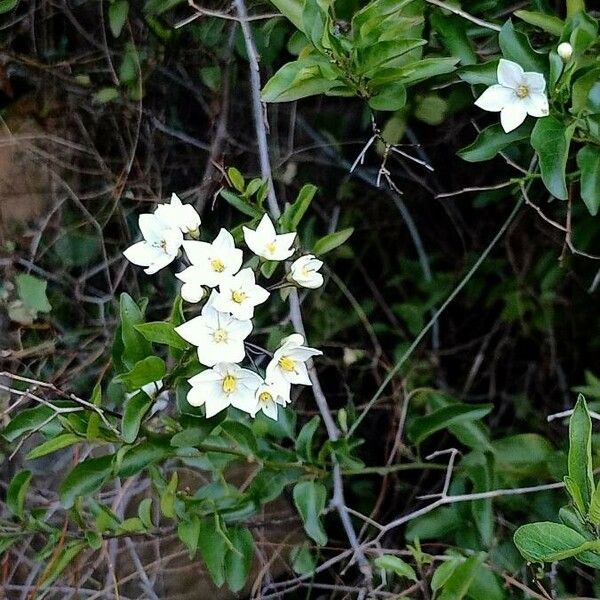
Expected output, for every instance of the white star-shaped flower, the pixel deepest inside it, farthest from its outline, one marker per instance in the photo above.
(178, 215)
(267, 243)
(269, 395)
(160, 245)
(288, 362)
(239, 295)
(226, 384)
(517, 94)
(218, 336)
(304, 272)
(211, 264)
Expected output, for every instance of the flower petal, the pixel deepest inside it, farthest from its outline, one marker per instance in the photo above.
(510, 74)
(513, 115)
(537, 105)
(535, 82)
(495, 98)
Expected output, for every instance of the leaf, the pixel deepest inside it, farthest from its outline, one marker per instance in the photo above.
(237, 179)
(160, 332)
(392, 97)
(106, 94)
(294, 212)
(213, 548)
(145, 513)
(309, 498)
(516, 47)
(189, 533)
(135, 346)
(304, 441)
(594, 511)
(413, 72)
(588, 161)
(32, 291)
(238, 559)
(458, 583)
(453, 34)
(65, 557)
(580, 454)
(239, 204)
(492, 140)
(85, 479)
(7, 5)
(53, 444)
(551, 139)
(548, 542)
(27, 420)
(134, 411)
(549, 23)
(332, 241)
(292, 10)
(421, 428)
(16, 493)
(384, 54)
(167, 497)
(148, 370)
(142, 456)
(484, 73)
(395, 564)
(117, 16)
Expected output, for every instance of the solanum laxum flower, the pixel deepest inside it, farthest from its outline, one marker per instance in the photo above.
(267, 243)
(178, 215)
(288, 362)
(304, 272)
(211, 263)
(226, 384)
(517, 94)
(160, 245)
(269, 395)
(219, 337)
(239, 295)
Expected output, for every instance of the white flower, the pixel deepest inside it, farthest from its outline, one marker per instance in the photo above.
(516, 95)
(265, 241)
(224, 385)
(288, 361)
(239, 295)
(192, 292)
(211, 263)
(304, 272)
(269, 395)
(178, 215)
(565, 51)
(160, 246)
(218, 336)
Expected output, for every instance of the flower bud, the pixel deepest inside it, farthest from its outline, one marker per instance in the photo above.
(192, 293)
(565, 51)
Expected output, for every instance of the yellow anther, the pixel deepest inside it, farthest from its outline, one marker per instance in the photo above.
(522, 91)
(238, 296)
(229, 384)
(271, 247)
(287, 363)
(265, 397)
(220, 335)
(216, 264)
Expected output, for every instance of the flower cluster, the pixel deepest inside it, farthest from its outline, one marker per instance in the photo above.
(220, 331)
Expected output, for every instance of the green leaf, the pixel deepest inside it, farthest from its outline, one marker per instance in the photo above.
(291, 9)
(594, 511)
(148, 370)
(238, 559)
(413, 72)
(135, 346)
(484, 73)
(117, 15)
(588, 161)
(294, 212)
(548, 542)
(53, 444)
(303, 560)
(16, 493)
(382, 54)
(239, 204)
(422, 427)
(27, 420)
(32, 291)
(548, 23)
(145, 513)
(492, 140)
(551, 140)
(395, 564)
(134, 411)
(309, 498)
(516, 47)
(332, 241)
(160, 332)
(213, 547)
(392, 97)
(7, 5)
(189, 533)
(453, 33)
(85, 479)
(168, 495)
(107, 94)
(142, 456)
(304, 441)
(458, 583)
(237, 179)
(64, 558)
(580, 453)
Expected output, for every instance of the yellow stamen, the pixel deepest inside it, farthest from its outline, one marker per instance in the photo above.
(229, 384)
(220, 335)
(216, 264)
(238, 296)
(522, 91)
(287, 363)
(265, 397)
(271, 247)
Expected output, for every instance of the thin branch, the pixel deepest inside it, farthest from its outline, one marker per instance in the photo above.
(465, 15)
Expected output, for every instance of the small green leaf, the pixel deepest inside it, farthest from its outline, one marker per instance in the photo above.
(32, 291)
(304, 441)
(107, 94)
(242, 205)
(160, 332)
(64, 558)
(395, 564)
(594, 511)
(135, 346)
(237, 179)
(27, 420)
(458, 583)
(391, 97)
(238, 559)
(332, 241)
(309, 498)
(551, 140)
(189, 533)
(53, 444)
(548, 23)
(580, 453)
(294, 212)
(167, 497)
(213, 547)
(145, 513)
(117, 16)
(484, 73)
(588, 161)
(85, 479)
(148, 370)
(516, 47)
(453, 33)
(16, 493)
(7, 5)
(492, 140)
(134, 411)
